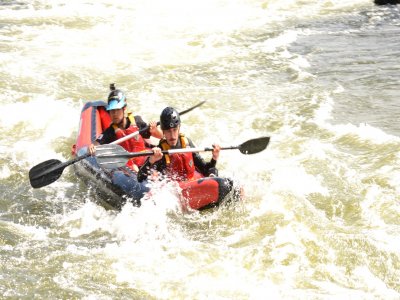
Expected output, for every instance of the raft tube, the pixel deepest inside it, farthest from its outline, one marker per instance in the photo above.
(117, 186)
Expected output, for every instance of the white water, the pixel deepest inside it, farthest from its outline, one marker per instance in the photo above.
(321, 215)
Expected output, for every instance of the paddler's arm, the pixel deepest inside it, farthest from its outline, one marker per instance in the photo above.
(155, 130)
(153, 162)
(206, 168)
(143, 171)
(106, 137)
(148, 130)
(92, 147)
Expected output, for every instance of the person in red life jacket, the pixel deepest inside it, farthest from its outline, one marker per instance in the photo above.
(123, 125)
(177, 166)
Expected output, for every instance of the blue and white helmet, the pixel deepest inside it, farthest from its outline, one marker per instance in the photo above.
(116, 99)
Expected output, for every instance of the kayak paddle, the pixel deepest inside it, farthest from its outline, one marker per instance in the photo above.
(50, 170)
(114, 156)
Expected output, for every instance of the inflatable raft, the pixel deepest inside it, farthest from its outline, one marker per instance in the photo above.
(119, 185)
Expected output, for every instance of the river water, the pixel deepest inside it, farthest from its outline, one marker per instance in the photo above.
(321, 216)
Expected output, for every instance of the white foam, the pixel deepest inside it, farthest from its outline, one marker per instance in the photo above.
(362, 131)
(366, 132)
(5, 171)
(283, 40)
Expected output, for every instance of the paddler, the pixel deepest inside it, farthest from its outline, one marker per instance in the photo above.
(177, 166)
(123, 124)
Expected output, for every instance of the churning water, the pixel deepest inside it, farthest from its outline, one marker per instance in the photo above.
(321, 218)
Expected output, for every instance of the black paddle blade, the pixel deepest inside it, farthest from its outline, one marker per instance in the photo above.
(254, 145)
(45, 173)
(111, 156)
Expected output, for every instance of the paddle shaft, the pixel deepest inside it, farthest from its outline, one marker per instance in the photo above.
(132, 135)
(249, 147)
(171, 151)
(74, 160)
(114, 156)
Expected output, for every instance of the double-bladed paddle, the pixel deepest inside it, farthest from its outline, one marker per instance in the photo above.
(50, 170)
(114, 156)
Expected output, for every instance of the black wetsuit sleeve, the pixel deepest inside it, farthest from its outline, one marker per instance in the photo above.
(146, 168)
(144, 128)
(108, 136)
(205, 168)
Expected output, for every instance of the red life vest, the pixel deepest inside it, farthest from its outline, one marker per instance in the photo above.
(180, 166)
(135, 144)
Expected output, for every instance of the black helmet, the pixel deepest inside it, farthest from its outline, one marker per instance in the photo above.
(169, 118)
(116, 98)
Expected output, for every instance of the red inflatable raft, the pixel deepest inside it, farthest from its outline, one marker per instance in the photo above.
(119, 185)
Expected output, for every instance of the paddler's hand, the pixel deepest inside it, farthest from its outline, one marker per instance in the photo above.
(153, 126)
(156, 156)
(91, 149)
(154, 130)
(215, 152)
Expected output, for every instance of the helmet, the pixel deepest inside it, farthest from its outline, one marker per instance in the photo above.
(169, 118)
(116, 98)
